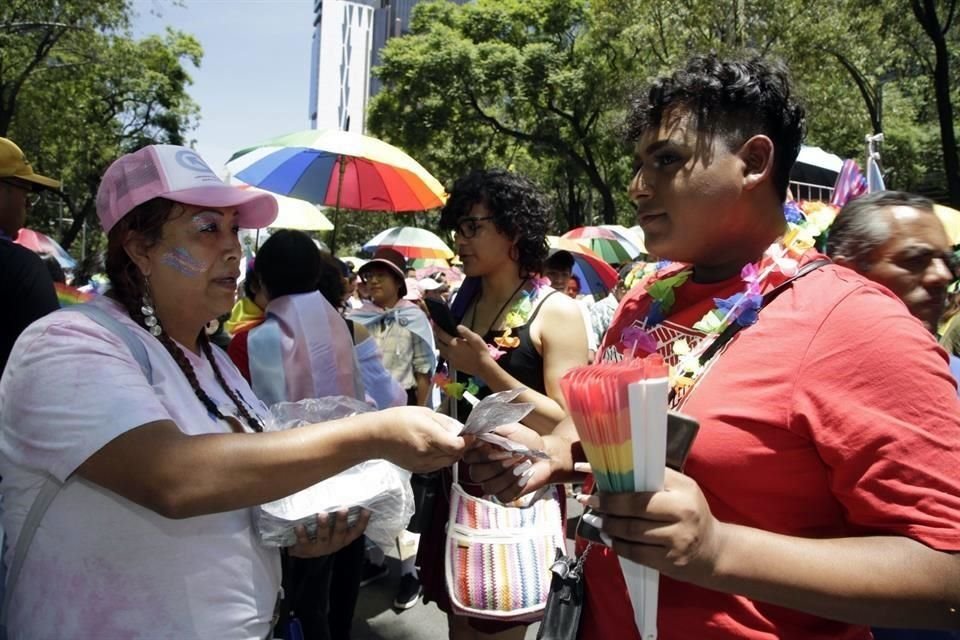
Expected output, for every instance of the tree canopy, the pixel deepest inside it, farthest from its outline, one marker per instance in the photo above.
(77, 91)
(542, 86)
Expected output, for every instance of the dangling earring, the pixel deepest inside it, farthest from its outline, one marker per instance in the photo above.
(149, 314)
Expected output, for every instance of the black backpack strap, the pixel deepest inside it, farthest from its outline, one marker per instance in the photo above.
(768, 297)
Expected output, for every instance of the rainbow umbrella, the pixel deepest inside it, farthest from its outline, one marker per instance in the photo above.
(43, 244)
(614, 243)
(411, 242)
(423, 263)
(596, 276)
(338, 169)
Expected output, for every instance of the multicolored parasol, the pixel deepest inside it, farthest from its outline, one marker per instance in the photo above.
(43, 244)
(595, 275)
(412, 242)
(293, 213)
(615, 244)
(339, 169)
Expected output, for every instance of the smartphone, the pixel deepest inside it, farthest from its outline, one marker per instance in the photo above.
(681, 432)
(441, 316)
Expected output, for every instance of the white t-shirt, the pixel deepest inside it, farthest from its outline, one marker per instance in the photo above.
(101, 566)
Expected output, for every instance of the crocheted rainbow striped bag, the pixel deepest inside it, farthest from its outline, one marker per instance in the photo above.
(498, 557)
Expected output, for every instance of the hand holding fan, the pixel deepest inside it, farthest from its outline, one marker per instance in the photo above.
(620, 411)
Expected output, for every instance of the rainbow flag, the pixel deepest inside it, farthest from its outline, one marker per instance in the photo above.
(245, 316)
(69, 296)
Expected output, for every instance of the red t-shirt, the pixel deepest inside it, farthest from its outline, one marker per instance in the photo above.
(835, 415)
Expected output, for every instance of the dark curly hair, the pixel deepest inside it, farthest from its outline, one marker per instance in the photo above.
(288, 263)
(735, 98)
(518, 208)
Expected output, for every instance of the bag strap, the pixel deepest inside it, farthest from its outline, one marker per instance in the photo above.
(733, 328)
(134, 344)
(768, 297)
(51, 486)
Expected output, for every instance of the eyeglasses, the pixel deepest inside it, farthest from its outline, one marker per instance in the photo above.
(467, 227)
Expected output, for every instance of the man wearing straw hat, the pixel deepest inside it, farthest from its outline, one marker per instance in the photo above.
(26, 288)
(821, 495)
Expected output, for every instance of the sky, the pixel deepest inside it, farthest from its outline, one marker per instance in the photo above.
(254, 80)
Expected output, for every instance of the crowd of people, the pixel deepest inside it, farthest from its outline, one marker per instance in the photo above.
(821, 498)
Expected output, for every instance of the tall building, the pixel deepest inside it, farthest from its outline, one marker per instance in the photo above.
(341, 61)
(347, 40)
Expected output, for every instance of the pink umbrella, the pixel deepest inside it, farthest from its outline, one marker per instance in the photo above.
(44, 244)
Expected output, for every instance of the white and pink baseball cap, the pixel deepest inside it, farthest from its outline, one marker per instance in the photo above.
(177, 174)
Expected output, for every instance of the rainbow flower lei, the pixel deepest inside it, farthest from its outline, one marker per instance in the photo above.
(517, 316)
(805, 223)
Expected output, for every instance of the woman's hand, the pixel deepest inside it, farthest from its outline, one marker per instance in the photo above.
(467, 353)
(330, 536)
(672, 530)
(503, 474)
(419, 439)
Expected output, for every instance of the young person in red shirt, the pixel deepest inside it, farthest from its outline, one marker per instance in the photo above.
(821, 495)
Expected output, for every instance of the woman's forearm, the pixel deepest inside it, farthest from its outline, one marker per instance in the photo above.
(178, 475)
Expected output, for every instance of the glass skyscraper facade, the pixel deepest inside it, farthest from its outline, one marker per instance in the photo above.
(347, 40)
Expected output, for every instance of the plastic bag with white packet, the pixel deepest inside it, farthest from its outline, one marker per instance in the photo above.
(377, 486)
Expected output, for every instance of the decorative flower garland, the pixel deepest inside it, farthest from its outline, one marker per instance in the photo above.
(517, 316)
(805, 223)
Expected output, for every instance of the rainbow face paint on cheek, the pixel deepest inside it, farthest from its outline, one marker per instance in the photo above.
(181, 260)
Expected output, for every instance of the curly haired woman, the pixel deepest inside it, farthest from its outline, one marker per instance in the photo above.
(514, 332)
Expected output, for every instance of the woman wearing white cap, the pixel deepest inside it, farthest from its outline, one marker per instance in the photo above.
(150, 534)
